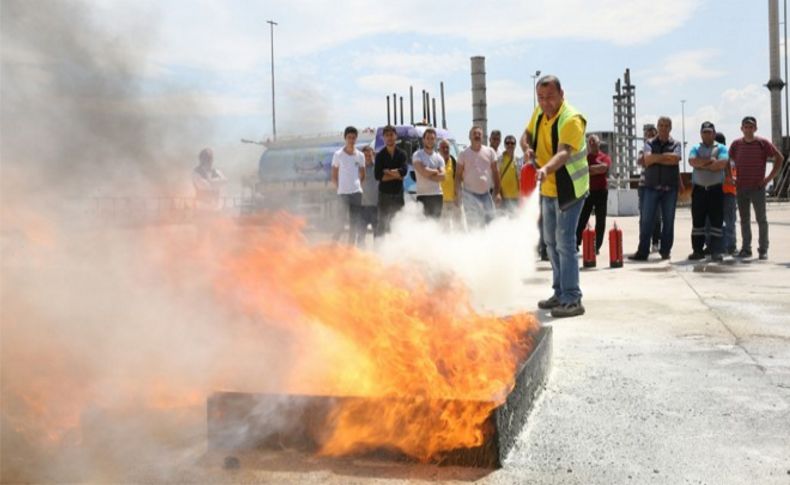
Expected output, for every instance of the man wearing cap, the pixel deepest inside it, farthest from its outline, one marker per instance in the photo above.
(555, 136)
(709, 159)
(750, 155)
(662, 177)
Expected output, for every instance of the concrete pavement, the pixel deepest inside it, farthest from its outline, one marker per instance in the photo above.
(678, 373)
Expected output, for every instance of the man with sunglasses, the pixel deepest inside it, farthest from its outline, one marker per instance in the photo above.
(450, 212)
(509, 167)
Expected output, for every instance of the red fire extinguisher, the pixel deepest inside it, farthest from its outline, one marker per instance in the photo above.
(588, 247)
(615, 247)
(528, 179)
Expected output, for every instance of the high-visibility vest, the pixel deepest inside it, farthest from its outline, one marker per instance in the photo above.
(573, 179)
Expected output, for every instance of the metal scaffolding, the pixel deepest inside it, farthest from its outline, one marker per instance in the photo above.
(624, 151)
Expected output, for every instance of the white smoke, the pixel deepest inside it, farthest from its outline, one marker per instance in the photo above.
(492, 261)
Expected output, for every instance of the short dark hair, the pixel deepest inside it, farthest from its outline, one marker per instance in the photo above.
(495, 132)
(389, 128)
(429, 130)
(349, 131)
(550, 79)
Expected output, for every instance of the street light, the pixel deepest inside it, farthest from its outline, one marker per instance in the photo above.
(683, 130)
(534, 88)
(274, 120)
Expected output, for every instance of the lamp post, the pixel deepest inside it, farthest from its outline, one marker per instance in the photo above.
(534, 88)
(274, 119)
(683, 130)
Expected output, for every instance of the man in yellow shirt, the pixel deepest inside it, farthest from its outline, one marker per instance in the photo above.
(450, 212)
(555, 136)
(509, 168)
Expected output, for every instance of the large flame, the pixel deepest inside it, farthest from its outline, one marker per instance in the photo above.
(381, 329)
(348, 324)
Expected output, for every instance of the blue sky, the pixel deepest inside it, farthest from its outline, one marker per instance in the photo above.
(336, 61)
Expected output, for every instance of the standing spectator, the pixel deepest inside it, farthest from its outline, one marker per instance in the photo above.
(750, 154)
(555, 134)
(495, 141)
(730, 239)
(475, 171)
(449, 210)
(509, 166)
(662, 177)
(208, 182)
(599, 164)
(370, 197)
(649, 132)
(348, 172)
(390, 168)
(429, 169)
(709, 159)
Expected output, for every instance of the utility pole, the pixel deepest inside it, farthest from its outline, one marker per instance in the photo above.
(274, 118)
(534, 88)
(683, 129)
(775, 83)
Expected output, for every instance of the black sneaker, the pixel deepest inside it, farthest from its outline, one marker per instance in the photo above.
(717, 258)
(664, 257)
(706, 251)
(552, 302)
(763, 255)
(568, 310)
(695, 256)
(637, 257)
(745, 253)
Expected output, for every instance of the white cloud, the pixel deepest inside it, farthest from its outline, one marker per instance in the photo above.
(388, 83)
(424, 64)
(221, 35)
(726, 113)
(682, 67)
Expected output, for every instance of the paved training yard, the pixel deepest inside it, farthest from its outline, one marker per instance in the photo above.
(678, 373)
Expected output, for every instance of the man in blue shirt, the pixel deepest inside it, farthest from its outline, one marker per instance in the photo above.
(709, 159)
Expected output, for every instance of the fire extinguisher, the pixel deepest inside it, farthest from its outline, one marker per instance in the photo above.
(528, 179)
(615, 247)
(588, 247)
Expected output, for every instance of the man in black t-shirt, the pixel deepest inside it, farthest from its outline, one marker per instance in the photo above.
(390, 168)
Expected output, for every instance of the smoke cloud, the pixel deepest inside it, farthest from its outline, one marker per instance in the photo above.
(114, 335)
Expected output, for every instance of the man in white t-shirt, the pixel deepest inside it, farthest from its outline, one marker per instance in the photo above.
(348, 172)
(208, 182)
(429, 168)
(476, 170)
(495, 142)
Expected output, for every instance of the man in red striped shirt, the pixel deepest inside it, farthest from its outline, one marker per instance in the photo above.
(750, 155)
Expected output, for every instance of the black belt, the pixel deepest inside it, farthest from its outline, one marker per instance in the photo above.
(707, 187)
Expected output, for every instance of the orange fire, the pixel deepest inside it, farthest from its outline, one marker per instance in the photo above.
(344, 322)
(380, 329)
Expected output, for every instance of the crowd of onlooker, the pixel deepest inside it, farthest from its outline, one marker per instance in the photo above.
(572, 171)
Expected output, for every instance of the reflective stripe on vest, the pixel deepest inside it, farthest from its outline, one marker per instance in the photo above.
(573, 179)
